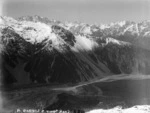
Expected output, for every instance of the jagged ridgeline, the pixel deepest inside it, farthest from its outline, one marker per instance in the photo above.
(39, 50)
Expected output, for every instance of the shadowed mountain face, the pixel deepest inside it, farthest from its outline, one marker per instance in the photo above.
(42, 51)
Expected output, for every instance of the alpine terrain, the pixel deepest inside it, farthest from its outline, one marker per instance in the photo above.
(49, 64)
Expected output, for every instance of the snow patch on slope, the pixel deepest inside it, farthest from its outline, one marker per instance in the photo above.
(112, 40)
(84, 43)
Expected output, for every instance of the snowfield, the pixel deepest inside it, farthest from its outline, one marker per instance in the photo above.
(134, 109)
(118, 109)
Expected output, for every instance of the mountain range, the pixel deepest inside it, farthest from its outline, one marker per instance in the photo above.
(38, 50)
(49, 64)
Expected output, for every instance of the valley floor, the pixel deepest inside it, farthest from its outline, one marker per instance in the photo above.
(106, 93)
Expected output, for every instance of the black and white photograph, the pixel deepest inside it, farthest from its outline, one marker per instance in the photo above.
(74, 56)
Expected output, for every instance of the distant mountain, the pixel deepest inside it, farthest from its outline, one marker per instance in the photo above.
(135, 33)
(38, 50)
(37, 18)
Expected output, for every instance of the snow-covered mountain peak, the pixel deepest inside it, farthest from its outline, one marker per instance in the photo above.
(38, 33)
(120, 24)
(33, 32)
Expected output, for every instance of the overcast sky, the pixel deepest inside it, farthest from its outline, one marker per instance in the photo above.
(89, 11)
